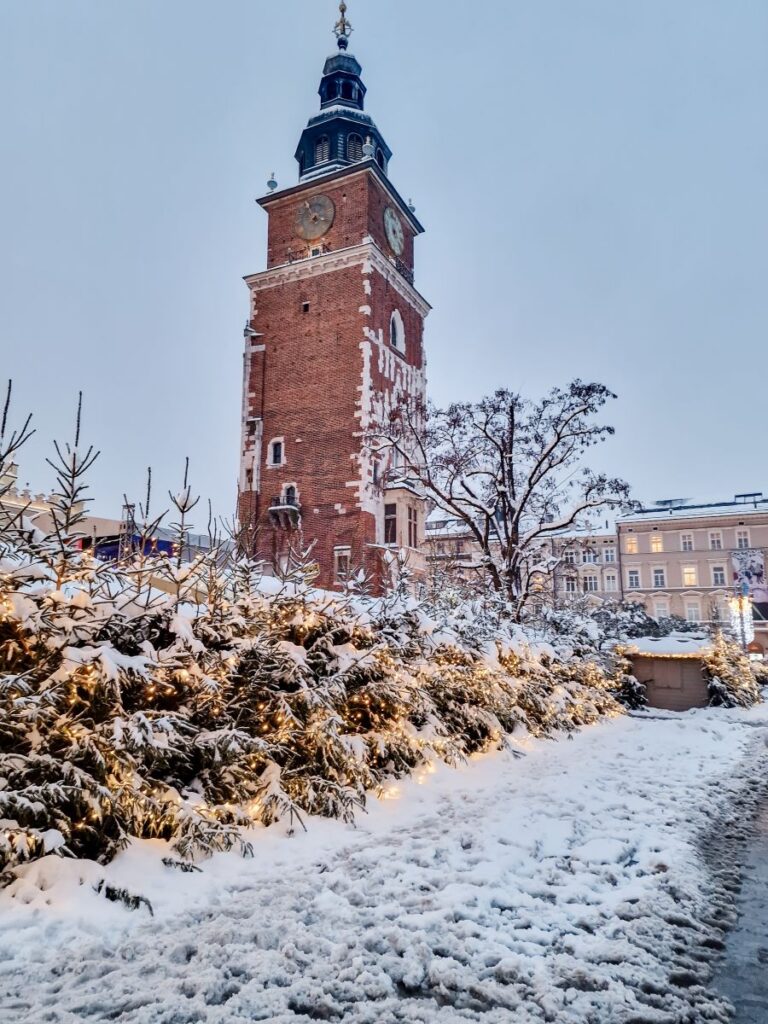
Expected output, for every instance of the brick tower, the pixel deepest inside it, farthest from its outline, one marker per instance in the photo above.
(333, 343)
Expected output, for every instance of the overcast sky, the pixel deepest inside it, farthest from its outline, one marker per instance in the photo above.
(592, 174)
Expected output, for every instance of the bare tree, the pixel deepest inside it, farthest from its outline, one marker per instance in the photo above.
(511, 469)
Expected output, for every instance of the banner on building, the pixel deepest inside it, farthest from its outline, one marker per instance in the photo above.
(749, 574)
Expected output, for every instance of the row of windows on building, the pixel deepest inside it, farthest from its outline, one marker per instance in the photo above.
(686, 541)
(591, 584)
(589, 556)
(690, 577)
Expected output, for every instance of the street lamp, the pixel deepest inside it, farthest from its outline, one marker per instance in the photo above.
(741, 615)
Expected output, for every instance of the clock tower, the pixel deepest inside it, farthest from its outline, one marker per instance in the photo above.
(333, 344)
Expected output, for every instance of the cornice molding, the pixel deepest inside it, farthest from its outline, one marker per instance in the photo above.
(340, 259)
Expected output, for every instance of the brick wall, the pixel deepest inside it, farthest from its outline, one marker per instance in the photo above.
(320, 371)
(359, 201)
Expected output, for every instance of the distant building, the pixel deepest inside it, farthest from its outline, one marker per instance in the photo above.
(692, 559)
(587, 566)
(450, 544)
(677, 557)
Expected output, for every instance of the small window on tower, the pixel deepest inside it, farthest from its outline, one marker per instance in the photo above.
(305, 307)
(322, 150)
(397, 331)
(413, 528)
(342, 558)
(380, 159)
(276, 452)
(354, 148)
(390, 524)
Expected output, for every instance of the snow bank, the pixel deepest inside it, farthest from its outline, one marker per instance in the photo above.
(564, 886)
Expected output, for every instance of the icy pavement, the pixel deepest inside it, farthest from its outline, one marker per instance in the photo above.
(563, 886)
(743, 977)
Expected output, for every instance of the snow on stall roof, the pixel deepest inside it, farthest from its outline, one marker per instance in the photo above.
(690, 645)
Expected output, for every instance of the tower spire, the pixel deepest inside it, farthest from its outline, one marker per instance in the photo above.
(343, 28)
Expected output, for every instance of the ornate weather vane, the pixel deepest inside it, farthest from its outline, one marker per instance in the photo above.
(342, 29)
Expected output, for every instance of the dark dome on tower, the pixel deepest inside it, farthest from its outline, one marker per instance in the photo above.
(342, 133)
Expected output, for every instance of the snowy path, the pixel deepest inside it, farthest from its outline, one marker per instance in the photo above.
(564, 886)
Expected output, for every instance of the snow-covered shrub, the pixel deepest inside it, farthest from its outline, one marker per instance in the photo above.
(129, 709)
(731, 679)
(628, 689)
(760, 672)
(183, 700)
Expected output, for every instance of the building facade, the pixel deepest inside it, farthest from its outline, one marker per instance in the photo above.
(703, 562)
(333, 344)
(695, 560)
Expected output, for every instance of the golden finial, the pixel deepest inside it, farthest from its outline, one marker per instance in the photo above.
(343, 29)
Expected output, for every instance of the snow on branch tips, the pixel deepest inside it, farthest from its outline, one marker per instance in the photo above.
(512, 471)
(185, 696)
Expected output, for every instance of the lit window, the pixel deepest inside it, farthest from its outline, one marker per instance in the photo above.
(657, 543)
(341, 557)
(661, 610)
(716, 541)
(686, 542)
(742, 539)
(390, 524)
(633, 579)
(590, 584)
(413, 528)
(690, 576)
(659, 578)
(609, 554)
(630, 545)
(693, 612)
(611, 582)
(718, 576)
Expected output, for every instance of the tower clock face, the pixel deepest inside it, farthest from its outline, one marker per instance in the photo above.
(394, 230)
(314, 217)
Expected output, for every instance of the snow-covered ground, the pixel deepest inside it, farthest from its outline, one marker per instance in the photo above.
(565, 885)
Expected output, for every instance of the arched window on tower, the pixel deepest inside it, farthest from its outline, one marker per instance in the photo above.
(397, 331)
(380, 159)
(347, 92)
(322, 150)
(354, 148)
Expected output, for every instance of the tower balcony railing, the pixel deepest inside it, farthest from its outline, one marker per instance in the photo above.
(403, 269)
(285, 512)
